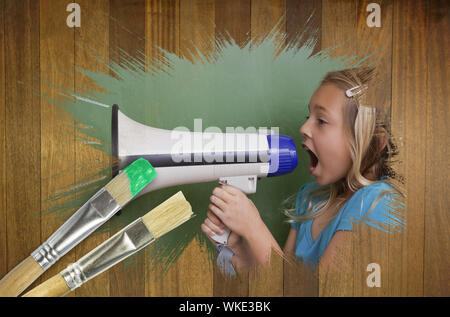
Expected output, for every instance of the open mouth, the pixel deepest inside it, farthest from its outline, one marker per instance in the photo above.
(314, 160)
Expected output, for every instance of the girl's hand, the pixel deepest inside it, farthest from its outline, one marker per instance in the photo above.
(212, 225)
(242, 259)
(232, 207)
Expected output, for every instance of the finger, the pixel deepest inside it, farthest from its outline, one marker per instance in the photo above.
(222, 193)
(206, 230)
(216, 211)
(208, 233)
(231, 190)
(213, 227)
(214, 219)
(218, 202)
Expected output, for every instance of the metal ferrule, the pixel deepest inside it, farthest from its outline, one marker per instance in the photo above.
(81, 224)
(124, 243)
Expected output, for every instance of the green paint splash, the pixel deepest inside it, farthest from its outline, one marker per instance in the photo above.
(140, 173)
(254, 85)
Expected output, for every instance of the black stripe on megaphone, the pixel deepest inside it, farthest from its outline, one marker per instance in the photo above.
(189, 159)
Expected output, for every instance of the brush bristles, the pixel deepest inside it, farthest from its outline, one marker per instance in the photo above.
(167, 216)
(119, 189)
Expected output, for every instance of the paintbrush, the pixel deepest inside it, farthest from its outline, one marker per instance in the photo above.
(96, 211)
(167, 216)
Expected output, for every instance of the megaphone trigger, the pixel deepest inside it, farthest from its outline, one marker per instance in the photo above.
(245, 183)
(222, 238)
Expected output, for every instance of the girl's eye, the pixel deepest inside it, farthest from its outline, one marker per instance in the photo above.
(307, 117)
(321, 122)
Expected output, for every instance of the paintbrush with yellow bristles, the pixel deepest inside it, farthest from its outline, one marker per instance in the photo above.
(95, 212)
(167, 216)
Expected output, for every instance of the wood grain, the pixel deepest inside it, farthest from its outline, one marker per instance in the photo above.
(127, 29)
(267, 16)
(127, 32)
(267, 281)
(336, 278)
(3, 236)
(56, 54)
(409, 108)
(91, 36)
(299, 280)
(303, 22)
(232, 21)
(20, 277)
(53, 287)
(413, 70)
(162, 29)
(437, 244)
(370, 246)
(195, 272)
(378, 43)
(230, 286)
(176, 26)
(339, 22)
(197, 28)
(22, 127)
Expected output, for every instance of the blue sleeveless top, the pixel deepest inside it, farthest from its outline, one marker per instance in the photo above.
(355, 210)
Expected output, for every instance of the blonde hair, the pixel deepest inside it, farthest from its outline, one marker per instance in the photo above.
(371, 149)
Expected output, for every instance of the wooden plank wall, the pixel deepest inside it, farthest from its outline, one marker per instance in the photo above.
(3, 255)
(95, 25)
(22, 128)
(57, 144)
(37, 48)
(410, 72)
(437, 235)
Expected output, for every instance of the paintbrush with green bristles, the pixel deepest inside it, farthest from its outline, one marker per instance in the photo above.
(95, 212)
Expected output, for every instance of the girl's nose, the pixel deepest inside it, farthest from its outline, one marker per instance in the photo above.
(305, 130)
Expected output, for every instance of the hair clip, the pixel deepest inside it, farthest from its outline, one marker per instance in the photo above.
(352, 92)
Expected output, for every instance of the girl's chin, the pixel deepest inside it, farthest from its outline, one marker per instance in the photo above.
(317, 176)
(320, 178)
(323, 180)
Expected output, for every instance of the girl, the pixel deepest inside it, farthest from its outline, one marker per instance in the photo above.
(350, 151)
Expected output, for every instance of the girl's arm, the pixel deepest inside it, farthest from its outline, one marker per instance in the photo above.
(261, 242)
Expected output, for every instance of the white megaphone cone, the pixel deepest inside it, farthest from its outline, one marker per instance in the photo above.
(184, 157)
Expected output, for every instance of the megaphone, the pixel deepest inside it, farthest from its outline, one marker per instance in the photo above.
(184, 157)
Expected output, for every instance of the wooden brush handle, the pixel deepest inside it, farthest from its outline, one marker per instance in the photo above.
(20, 277)
(53, 287)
